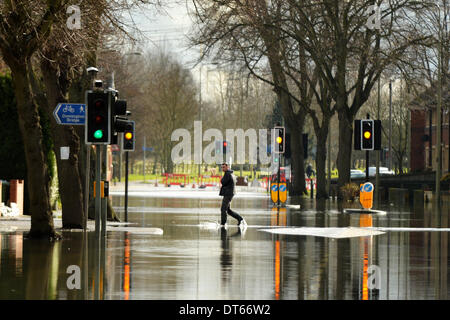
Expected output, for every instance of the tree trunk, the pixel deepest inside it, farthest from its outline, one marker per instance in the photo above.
(37, 170)
(40, 270)
(298, 170)
(345, 148)
(321, 157)
(69, 179)
(77, 94)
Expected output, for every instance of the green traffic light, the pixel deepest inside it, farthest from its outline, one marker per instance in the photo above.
(98, 134)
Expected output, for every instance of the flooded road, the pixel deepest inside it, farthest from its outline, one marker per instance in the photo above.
(193, 259)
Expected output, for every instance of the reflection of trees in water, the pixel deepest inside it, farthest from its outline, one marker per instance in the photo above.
(41, 263)
(45, 264)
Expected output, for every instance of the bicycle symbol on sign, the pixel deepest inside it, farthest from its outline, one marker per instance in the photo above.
(68, 108)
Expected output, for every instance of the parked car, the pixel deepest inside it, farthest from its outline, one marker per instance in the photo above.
(383, 171)
(355, 174)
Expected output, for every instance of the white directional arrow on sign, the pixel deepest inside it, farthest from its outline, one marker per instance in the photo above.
(70, 113)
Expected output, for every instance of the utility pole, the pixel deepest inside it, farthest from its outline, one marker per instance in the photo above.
(390, 125)
(143, 164)
(438, 118)
(329, 160)
(377, 175)
(200, 105)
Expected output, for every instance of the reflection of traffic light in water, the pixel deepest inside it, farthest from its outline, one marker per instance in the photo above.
(278, 218)
(365, 221)
(277, 269)
(126, 268)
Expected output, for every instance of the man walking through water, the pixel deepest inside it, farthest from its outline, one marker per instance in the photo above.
(227, 190)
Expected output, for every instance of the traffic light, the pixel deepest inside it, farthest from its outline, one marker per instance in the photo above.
(287, 146)
(377, 135)
(276, 157)
(367, 135)
(98, 121)
(119, 108)
(128, 136)
(279, 140)
(224, 147)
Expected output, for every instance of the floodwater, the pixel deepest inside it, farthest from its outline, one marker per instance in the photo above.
(192, 259)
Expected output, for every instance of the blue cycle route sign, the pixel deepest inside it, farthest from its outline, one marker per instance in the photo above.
(367, 187)
(70, 113)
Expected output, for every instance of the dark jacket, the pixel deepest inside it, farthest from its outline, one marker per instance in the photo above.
(228, 183)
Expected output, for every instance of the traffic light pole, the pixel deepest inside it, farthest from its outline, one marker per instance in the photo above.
(98, 200)
(104, 199)
(278, 187)
(126, 186)
(98, 204)
(367, 153)
(367, 165)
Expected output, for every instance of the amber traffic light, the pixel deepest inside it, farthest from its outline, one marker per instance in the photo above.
(279, 140)
(128, 136)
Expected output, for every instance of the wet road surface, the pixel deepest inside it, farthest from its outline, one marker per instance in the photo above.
(193, 259)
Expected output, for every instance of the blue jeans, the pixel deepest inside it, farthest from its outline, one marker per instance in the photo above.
(226, 209)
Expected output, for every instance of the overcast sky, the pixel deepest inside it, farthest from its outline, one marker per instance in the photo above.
(167, 30)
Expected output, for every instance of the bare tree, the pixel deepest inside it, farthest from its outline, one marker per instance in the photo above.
(165, 100)
(25, 29)
(237, 31)
(24, 26)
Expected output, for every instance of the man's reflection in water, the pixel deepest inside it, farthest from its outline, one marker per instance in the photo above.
(226, 258)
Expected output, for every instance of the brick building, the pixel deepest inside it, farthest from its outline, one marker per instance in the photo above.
(424, 129)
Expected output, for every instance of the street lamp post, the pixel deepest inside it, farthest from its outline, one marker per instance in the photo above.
(439, 113)
(200, 105)
(390, 124)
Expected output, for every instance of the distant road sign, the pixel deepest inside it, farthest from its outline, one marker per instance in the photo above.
(147, 148)
(115, 147)
(70, 114)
